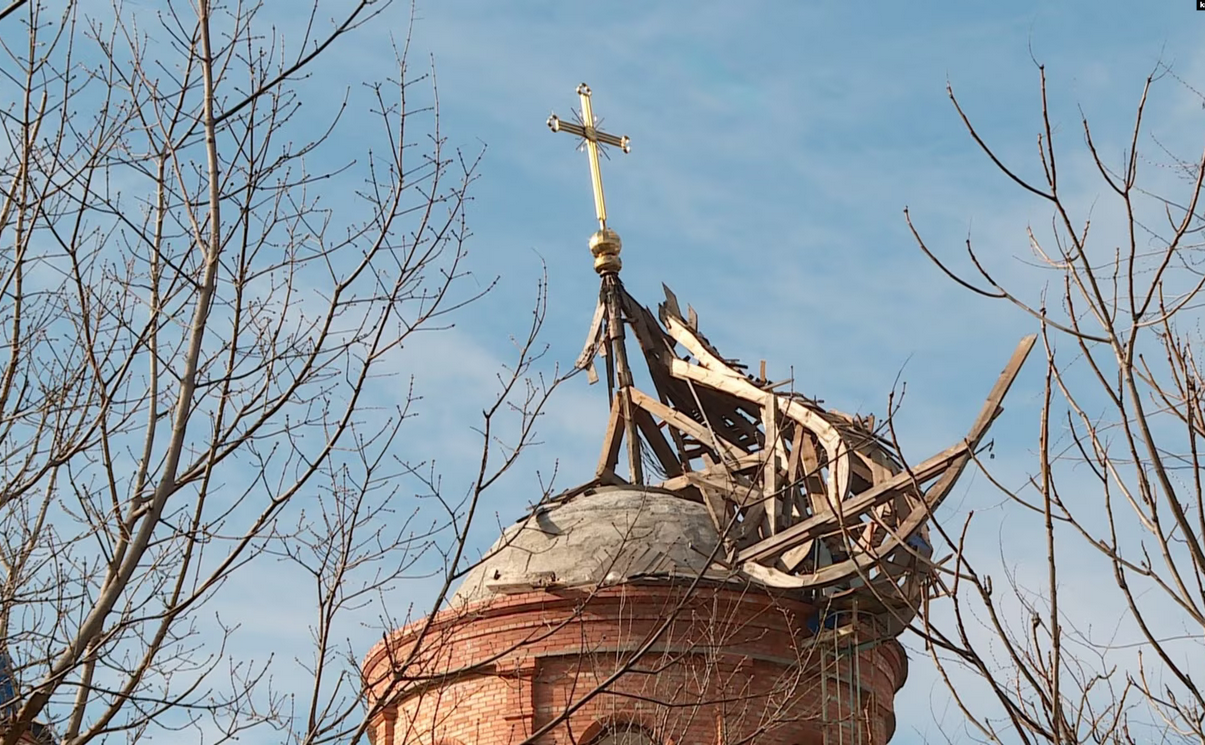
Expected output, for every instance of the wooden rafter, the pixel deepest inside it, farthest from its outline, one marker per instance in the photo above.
(805, 497)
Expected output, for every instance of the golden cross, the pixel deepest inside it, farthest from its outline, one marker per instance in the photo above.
(592, 136)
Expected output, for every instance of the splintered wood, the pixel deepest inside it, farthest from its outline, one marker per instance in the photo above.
(805, 497)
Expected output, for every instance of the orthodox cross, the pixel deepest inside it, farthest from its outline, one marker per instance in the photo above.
(605, 246)
(591, 137)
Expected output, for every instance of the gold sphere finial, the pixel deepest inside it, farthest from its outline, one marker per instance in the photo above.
(605, 246)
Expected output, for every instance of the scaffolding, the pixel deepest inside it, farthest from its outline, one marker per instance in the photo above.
(844, 705)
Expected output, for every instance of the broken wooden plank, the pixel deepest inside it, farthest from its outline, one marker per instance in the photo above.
(612, 439)
(851, 508)
(671, 301)
(937, 493)
(792, 558)
(991, 407)
(682, 334)
(657, 346)
(665, 386)
(586, 359)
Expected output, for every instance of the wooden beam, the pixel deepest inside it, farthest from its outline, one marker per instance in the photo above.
(735, 487)
(829, 437)
(590, 349)
(813, 485)
(937, 493)
(751, 530)
(721, 412)
(671, 301)
(684, 335)
(611, 440)
(656, 345)
(769, 475)
(742, 464)
(853, 507)
(635, 464)
(664, 385)
(796, 495)
(717, 508)
(796, 452)
(689, 426)
(609, 359)
(652, 435)
(949, 465)
(792, 558)
(991, 407)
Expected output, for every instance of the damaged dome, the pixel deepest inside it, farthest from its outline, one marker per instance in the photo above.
(608, 535)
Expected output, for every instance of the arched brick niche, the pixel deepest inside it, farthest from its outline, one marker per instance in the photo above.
(721, 663)
(620, 730)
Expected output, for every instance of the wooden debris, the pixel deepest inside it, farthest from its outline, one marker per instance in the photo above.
(593, 339)
(805, 497)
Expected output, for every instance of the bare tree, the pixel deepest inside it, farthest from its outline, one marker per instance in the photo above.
(1113, 505)
(202, 300)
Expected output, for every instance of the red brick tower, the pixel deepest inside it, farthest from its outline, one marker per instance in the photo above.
(603, 613)
(744, 584)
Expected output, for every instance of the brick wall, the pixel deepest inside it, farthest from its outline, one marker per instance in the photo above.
(719, 665)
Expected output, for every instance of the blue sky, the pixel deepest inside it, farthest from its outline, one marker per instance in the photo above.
(773, 151)
(774, 147)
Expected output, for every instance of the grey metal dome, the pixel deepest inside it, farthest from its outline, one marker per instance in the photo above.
(608, 535)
